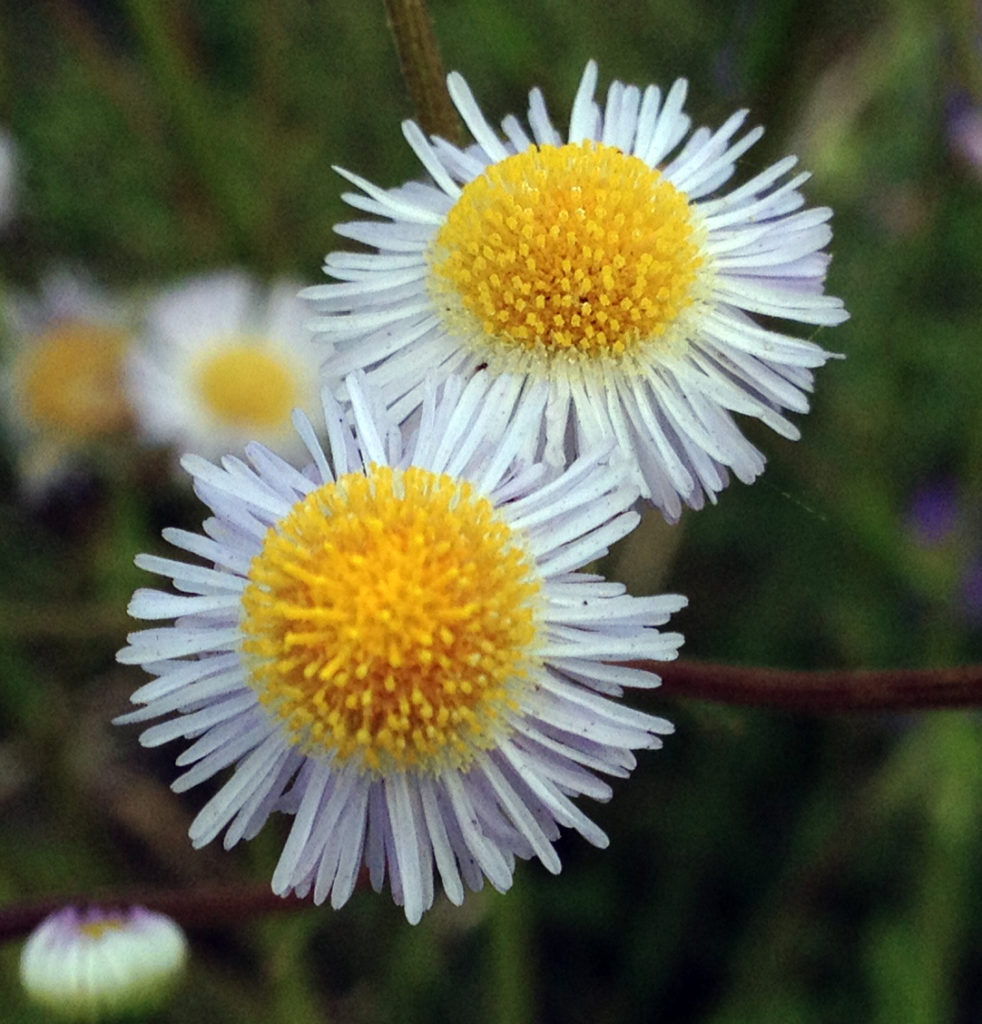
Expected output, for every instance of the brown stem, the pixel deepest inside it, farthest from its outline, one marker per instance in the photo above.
(191, 908)
(422, 67)
(824, 690)
(818, 691)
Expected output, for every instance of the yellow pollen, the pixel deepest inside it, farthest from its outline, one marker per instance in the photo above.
(72, 380)
(390, 618)
(578, 250)
(245, 385)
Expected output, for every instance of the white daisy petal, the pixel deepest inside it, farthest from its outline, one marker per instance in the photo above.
(206, 687)
(388, 204)
(422, 149)
(351, 843)
(585, 115)
(670, 126)
(286, 868)
(565, 811)
(515, 133)
(538, 116)
(249, 776)
(255, 811)
(393, 238)
(464, 100)
(231, 740)
(443, 851)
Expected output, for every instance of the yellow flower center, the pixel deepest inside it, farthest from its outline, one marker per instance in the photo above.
(72, 380)
(390, 618)
(96, 929)
(577, 251)
(245, 385)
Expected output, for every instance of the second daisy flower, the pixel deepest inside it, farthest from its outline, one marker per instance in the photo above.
(393, 646)
(608, 263)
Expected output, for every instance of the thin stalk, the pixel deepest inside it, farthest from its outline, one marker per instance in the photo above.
(511, 996)
(190, 908)
(422, 67)
(822, 691)
(195, 120)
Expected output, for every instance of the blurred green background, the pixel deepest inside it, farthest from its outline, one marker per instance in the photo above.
(764, 866)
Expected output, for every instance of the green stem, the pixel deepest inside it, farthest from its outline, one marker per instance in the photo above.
(510, 973)
(197, 125)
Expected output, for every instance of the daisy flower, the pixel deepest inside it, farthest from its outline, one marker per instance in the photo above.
(99, 964)
(610, 263)
(393, 646)
(221, 362)
(62, 379)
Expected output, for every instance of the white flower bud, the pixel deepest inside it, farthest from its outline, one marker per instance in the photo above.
(96, 964)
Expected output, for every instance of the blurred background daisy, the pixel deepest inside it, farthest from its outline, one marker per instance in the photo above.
(222, 361)
(62, 375)
(764, 866)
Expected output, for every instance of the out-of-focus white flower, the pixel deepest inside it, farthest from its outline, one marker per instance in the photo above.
(61, 381)
(222, 362)
(96, 964)
(965, 135)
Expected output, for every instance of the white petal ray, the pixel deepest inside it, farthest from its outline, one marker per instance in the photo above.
(392, 206)
(469, 110)
(424, 151)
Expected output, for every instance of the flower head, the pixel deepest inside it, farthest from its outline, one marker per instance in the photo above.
(63, 381)
(393, 646)
(220, 363)
(98, 964)
(608, 263)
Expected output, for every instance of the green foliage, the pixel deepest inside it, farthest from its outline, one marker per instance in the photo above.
(763, 867)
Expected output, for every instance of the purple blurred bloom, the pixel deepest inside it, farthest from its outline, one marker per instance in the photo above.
(933, 513)
(965, 134)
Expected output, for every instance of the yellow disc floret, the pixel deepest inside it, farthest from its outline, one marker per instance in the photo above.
(103, 926)
(72, 380)
(244, 385)
(391, 618)
(578, 250)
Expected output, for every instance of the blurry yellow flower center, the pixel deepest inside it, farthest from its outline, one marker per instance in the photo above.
(72, 380)
(390, 619)
(245, 385)
(578, 250)
(96, 929)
